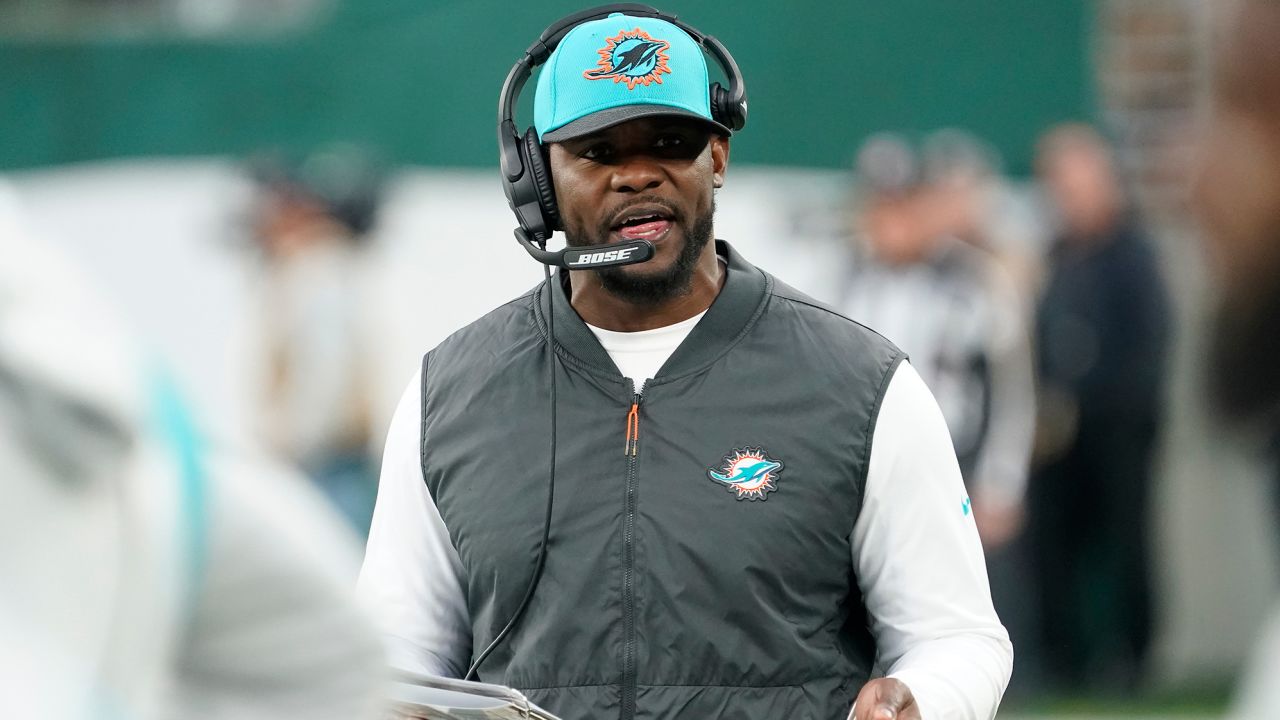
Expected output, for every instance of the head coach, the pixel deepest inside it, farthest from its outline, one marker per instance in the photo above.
(663, 484)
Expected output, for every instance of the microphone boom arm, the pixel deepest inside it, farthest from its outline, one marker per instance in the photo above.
(587, 257)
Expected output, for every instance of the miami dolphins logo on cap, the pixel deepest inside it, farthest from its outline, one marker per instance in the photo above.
(631, 57)
(749, 472)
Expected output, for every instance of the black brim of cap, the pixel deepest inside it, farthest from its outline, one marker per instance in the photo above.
(607, 118)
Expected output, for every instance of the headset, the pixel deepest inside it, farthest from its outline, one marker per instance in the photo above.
(526, 170)
(526, 180)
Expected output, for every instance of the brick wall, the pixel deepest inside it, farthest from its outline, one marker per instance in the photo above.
(1151, 61)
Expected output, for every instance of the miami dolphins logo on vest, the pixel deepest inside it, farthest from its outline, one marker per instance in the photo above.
(631, 57)
(749, 472)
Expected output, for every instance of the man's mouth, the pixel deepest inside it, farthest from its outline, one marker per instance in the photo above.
(643, 224)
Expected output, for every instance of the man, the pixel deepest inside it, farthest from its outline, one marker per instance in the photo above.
(756, 500)
(1238, 194)
(311, 318)
(1102, 341)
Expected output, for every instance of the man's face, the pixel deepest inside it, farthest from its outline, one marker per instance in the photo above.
(892, 225)
(1083, 187)
(1237, 194)
(652, 179)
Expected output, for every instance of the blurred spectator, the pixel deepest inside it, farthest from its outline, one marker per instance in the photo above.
(950, 306)
(311, 226)
(978, 205)
(1102, 342)
(143, 573)
(1238, 193)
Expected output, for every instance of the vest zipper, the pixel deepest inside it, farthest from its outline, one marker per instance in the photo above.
(633, 429)
(628, 564)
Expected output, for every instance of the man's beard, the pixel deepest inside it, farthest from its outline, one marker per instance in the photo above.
(652, 288)
(1244, 352)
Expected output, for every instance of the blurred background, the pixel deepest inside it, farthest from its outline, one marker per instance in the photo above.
(288, 201)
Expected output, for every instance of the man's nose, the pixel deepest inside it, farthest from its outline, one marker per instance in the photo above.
(637, 173)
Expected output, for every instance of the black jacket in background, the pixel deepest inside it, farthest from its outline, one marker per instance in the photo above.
(1103, 336)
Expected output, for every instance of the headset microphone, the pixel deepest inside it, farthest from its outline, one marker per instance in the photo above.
(588, 257)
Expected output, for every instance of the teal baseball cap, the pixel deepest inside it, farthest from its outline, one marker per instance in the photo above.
(605, 72)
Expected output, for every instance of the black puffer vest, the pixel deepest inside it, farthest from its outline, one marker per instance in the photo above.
(700, 560)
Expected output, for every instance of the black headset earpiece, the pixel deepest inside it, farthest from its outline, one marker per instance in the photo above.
(724, 110)
(539, 166)
(526, 172)
(728, 107)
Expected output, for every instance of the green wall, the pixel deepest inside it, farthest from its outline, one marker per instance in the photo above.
(418, 80)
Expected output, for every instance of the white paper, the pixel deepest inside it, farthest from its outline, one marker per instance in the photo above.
(427, 697)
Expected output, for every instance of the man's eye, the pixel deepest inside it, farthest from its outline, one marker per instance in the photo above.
(597, 152)
(679, 145)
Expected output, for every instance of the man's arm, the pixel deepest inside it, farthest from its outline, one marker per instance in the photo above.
(920, 567)
(412, 577)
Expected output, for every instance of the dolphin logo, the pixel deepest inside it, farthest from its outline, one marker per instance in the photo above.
(748, 472)
(631, 57)
(635, 60)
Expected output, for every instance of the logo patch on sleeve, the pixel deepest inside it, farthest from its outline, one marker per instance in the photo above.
(631, 57)
(748, 472)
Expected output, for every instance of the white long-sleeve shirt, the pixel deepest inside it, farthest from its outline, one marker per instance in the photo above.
(914, 549)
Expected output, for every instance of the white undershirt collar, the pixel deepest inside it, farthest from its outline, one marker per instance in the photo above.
(640, 354)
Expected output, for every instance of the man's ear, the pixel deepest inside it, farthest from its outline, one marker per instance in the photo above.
(719, 159)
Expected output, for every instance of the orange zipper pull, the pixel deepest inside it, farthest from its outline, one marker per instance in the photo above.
(633, 431)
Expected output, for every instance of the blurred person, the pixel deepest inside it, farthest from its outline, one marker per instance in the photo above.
(950, 306)
(1237, 192)
(144, 573)
(1103, 337)
(977, 204)
(311, 226)
(684, 572)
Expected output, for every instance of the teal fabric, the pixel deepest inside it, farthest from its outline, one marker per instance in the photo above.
(173, 423)
(619, 61)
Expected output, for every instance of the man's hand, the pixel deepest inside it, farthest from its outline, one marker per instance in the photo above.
(998, 524)
(885, 699)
